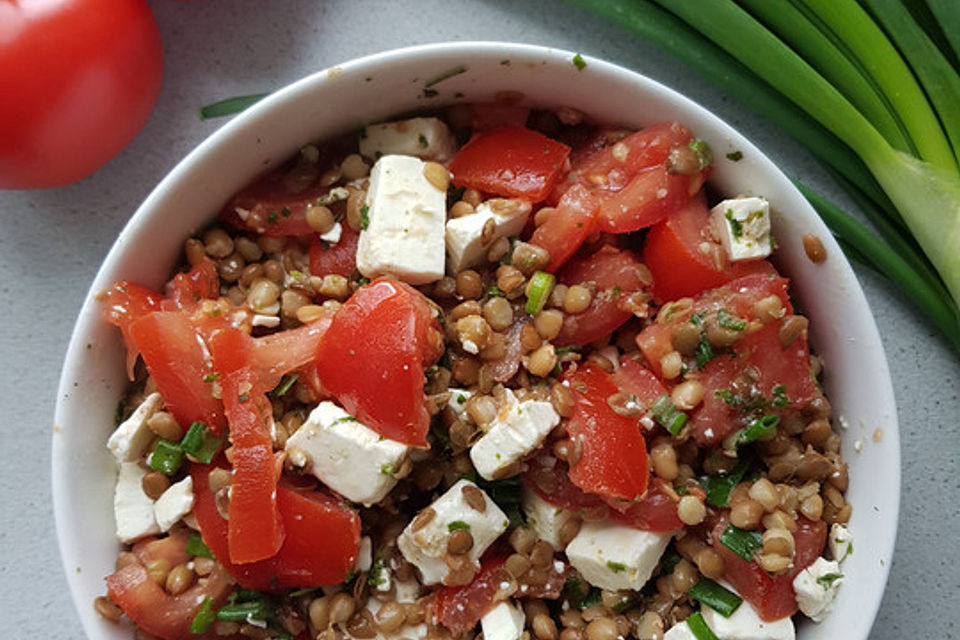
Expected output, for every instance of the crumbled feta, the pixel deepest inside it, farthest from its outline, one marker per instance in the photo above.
(466, 243)
(174, 503)
(840, 542)
(405, 217)
(458, 400)
(131, 439)
(743, 225)
(345, 455)
(503, 622)
(132, 508)
(518, 429)
(745, 624)
(544, 518)
(612, 556)
(426, 138)
(333, 235)
(424, 541)
(679, 631)
(817, 587)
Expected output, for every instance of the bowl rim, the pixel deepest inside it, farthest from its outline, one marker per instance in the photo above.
(89, 317)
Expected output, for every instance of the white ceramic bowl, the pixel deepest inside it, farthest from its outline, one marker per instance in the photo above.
(343, 98)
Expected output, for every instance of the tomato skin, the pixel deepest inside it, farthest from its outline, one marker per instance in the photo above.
(510, 161)
(308, 516)
(614, 461)
(772, 596)
(672, 253)
(620, 286)
(567, 227)
(339, 258)
(202, 282)
(633, 378)
(649, 198)
(85, 75)
(272, 206)
(655, 341)
(274, 355)
(126, 302)
(373, 355)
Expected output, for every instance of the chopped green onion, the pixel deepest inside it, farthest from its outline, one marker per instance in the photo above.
(718, 598)
(166, 457)
(364, 216)
(199, 444)
(616, 567)
(665, 413)
(377, 576)
(698, 626)
(538, 291)
(759, 429)
(244, 611)
(456, 525)
(285, 384)
(579, 62)
(197, 547)
(573, 348)
(580, 594)
(719, 487)
(780, 397)
(230, 106)
(729, 321)
(705, 352)
(742, 542)
(826, 581)
(204, 618)
(494, 291)
(669, 560)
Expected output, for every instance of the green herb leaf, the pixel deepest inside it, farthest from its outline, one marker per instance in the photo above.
(285, 384)
(698, 626)
(204, 618)
(735, 156)
(196, 547)
(729, 321)
(457, 525)
(579, 62)
(364, 216)
(742, 542)
(719, 487)
(826, 581)
(166, 457)
(616, 567)
(667, 415)
(718, 598)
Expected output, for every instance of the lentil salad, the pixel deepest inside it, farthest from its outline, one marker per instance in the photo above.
(587, 288)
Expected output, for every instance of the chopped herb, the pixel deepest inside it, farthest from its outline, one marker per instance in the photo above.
(506, 494)
(230, 106)
(494, 291)
(244, 611)
(210, 377)
(446, 75)
(616, 567)
(456, 525)
(703, 151)
(761, 428)
(729, 321)
(719, 487)
(580, 594)
(615, 292)
(461, 399)
(344, 419)
(728, 396)
(377, 576)
(826, 581)
(166, 457)
(422, 139)
(579, 62)
(735, 156)
(364, 216)
(285, 384)
(742, 542)
(285, 212)
(669, 560)
(204, 618)
(780, 398)
(736, 227)
(272, 217)
(200, 444)
(387, 468)
(196, 547)
(705, 352)
(718, 598)
(698, 627)
(669, 417)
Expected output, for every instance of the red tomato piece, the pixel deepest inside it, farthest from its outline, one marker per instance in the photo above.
(510, 161)
(655, 341)
(492, 116)
(649, 198)
(672, 253)
(567, 227)
(80, 78)
(614, 461)
(339, 258)
(274, 355)
(256, 531)
(172, 348)
(621, 285)
(633, 378)
(202, 282)
(656, 511)
(153, 609)
(373, 355)
(772, 596)
(308, 517)
(272, 206)
(126, 302)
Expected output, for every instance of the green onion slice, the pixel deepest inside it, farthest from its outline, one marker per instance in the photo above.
(166, 457)
(204, 617)
(541, 284)
(244, 611)
(761, 428)
(718, 598)
(200, 444)
(284, 385)
(699, 627)
(669, 417)
(742, 542)
(718, 487)
(197, 547)
(230, 106)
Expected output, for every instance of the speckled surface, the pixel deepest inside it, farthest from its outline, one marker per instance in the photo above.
(51, 243)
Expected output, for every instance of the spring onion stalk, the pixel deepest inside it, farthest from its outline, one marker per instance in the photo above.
(244, 611)
(669, 417)
(742, 542)
(698, 627)
(166, 457)
(197, 547)
(204, 618)
(715, 596)
(230, 106)
(538, 291)
(758, 429)
(719, 487)
(947, 15)
(199, 444)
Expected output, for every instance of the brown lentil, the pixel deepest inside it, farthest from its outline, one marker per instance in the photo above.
(671, 365)
(469, 284)
(509, 278)
(791, 329)
(498, 313)
(813, 247)
(474, 497)
(158, 570)
(709, 563)
(544, 628)
(461, 209)
(746, 514)
(353, 167)
(342, 606)
(529, 258)
(154, 484)
(602, 629)
(165, 426)
(691, 511)
(460, 542)
(390, 617)
(687, 394)
(437, 175)
(217, 243)
(107, 609)
(194, 251)
(542, 361)
(663, 458)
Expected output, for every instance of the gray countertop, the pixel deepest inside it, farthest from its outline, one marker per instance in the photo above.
(51, 243)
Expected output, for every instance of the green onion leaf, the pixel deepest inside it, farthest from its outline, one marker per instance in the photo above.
(729, 321)
(197, 547)
(204, 618)
(244, 611)
(759, 429)
(718, 598)
(742, 542)
(669, 560)
(826, 581)
(538, 291)
(616, 567)
(579, 62)
(230, 106)
(698, 626)
(719, 487)
(166, 457)
(200, 444)
(580, 594)
(456, 525)
(665, 413)
(285, 384)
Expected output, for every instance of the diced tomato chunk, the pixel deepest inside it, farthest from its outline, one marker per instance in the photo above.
(373, 355)
(126, 302)
(202, 282)
(340, 258)
(276, 354)
(272, 206)
(655, 341)
(567, 227)
(647, 199)
(510, 161)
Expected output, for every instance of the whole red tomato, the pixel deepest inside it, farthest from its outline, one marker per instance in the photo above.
(79, 78)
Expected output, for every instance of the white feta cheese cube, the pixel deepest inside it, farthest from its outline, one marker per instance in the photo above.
(405, 223)
(817, 587)
(743, 225)
(840, 542)
(333, 235)
(426, 138)
(131, 439)
(458, 400)
(519, 428)
(424, 541)
(746, 624)
(544, 518)
(132, 508)
(504, 622)
(467, 244)
(345, 455)
(612, 556)
(679, 631)
(365, 554)
(174, 503)
(265, 321)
